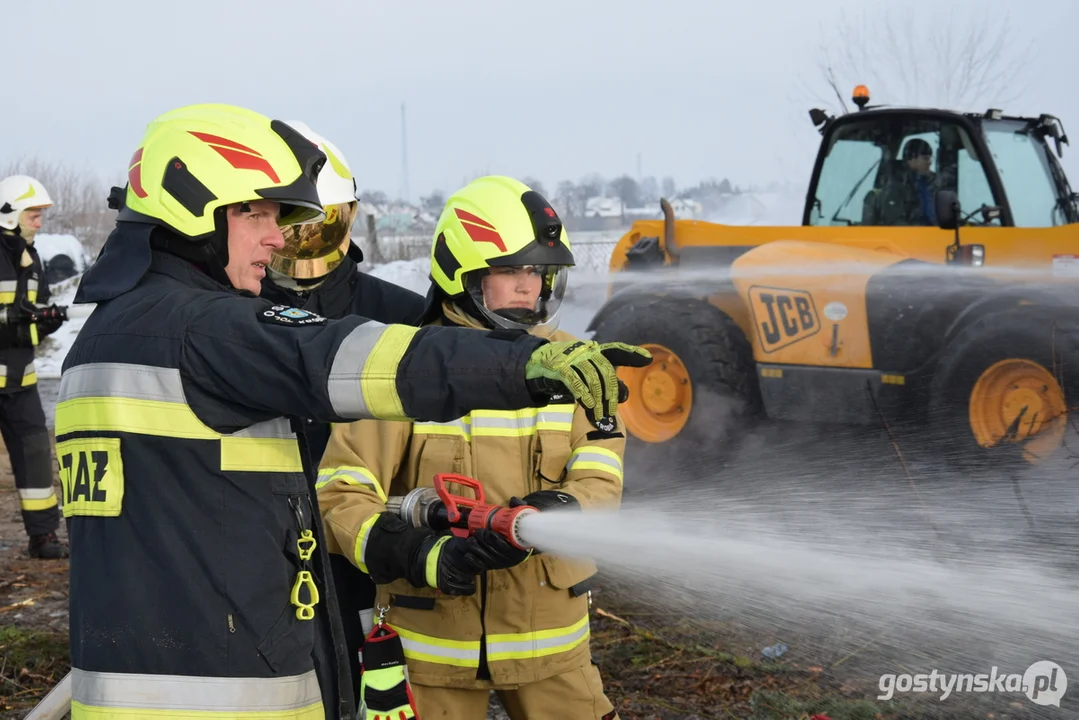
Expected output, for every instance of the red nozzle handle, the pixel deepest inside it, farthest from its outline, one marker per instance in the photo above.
(453, 514)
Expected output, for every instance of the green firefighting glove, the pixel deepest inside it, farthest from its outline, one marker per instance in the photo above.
(587, 370)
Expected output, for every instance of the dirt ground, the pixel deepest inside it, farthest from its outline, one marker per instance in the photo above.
(654, 666)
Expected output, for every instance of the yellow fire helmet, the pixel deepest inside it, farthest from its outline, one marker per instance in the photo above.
(497, 221)
(313, 250)
(198, 159)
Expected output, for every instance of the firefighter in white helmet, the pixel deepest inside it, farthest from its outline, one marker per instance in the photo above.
(24, 320)
(318, 270)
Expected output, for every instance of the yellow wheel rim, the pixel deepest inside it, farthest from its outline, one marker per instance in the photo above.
(660, 396)
(1019, 389)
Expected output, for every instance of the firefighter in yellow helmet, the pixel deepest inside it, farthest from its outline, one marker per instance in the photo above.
(510, 622)
(198, 566)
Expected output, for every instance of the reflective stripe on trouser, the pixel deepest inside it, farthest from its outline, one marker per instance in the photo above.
(149, 400)
(510, 646)
(29, 376)
(29, 447)
(125, 696)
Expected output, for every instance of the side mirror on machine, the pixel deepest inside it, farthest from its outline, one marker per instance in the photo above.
(948, 218)
(947, 207)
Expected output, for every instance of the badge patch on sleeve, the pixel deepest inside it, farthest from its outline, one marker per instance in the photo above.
(92, 475)
(284, 315)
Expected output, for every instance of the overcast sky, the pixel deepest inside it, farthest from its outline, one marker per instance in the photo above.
(552, 89)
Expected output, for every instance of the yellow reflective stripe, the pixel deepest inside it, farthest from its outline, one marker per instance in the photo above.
(147, 400)
(378, 379)
(119, 414)
(520, 646)
(260, 455)
(31, 295)
(351, 475)
(29, 374)
(502, 423)
(460, 427)
(31, 499)
(431, 570)
(100, 695)
(7, 298)
(593, 457)
(461, 653)
(359, 552)
(33, 334)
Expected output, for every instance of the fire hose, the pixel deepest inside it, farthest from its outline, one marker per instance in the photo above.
(431, 507)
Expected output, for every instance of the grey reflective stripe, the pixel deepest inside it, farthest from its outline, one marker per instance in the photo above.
(537, 645)
(417, 647)
(324, 476)
(35, 493)
(595, 458)
(422, 427)
(145, 382)
(519, 423)
(343, 386)
(277, 428)
(9, 285)
(193, 693)
(30, 369)
(548, 416)
(3, 371)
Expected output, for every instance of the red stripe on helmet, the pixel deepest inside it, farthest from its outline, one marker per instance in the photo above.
(239, 156)
(482, 234)
(134, 174)
(218, 140)
(469, 217)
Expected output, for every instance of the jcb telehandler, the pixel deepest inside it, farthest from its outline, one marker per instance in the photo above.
(934, 281)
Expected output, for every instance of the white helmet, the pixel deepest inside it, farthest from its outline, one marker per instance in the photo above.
(18, 193)
(312, 251)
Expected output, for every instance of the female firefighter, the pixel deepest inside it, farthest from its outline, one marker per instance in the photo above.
(499, 261)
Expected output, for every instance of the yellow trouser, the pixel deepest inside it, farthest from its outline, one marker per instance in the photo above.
(576, 694)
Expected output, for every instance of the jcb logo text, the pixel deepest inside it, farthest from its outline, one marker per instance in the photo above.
(782, 316)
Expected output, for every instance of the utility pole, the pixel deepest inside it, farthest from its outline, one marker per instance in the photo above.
(404, 157)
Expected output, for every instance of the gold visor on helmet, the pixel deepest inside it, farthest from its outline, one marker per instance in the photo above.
(313, 250)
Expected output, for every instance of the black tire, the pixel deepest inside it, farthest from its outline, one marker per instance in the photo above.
(719, 361)
(986, 341)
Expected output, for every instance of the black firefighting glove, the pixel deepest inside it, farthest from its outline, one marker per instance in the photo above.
(49, 319)
(495, 552)
(396, 550)
(544, 500)
(586, 370)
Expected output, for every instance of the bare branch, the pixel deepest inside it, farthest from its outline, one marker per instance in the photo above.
(960, 62)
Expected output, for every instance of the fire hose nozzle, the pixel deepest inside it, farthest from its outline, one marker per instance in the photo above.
(439, 509)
